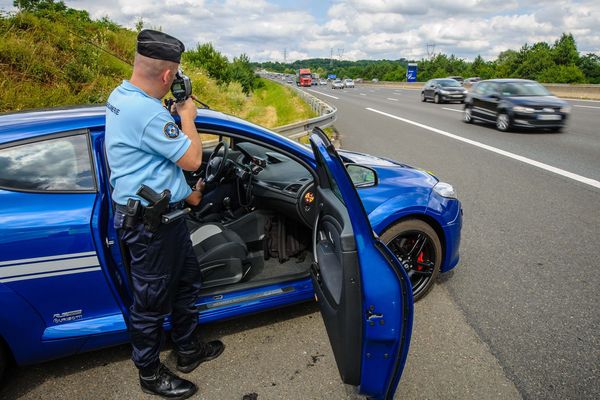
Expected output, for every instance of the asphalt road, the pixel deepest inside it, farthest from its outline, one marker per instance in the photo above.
(528, 279)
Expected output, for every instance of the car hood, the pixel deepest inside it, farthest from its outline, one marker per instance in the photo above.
(394, 179)
(552, 101)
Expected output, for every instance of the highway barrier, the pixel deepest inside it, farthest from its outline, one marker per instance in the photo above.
(570, 91)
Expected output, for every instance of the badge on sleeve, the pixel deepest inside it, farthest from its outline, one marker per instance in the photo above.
(171, 130)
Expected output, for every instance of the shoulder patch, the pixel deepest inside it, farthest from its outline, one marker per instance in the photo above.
(171, 130)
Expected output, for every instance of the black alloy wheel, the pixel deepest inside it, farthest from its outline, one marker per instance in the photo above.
(418, 248)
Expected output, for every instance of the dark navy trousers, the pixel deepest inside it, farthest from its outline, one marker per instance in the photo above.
(165, 279)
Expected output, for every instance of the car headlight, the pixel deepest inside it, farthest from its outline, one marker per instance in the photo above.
(444, 92)
(445, 190)
(521, 109)
(565, 109)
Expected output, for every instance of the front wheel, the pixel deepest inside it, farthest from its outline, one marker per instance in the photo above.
(423, 99)
(3, 360)
(503, 122)
(418, 248)
(468, 115)
(436, 99)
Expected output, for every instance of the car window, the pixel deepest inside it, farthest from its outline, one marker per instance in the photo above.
(523, 89)
(480, 88)
(60, 164)
(449, 83)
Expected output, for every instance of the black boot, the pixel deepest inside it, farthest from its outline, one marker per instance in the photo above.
(188, 361)
(166, 384)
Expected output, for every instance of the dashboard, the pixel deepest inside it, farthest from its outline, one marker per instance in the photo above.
(279, 183)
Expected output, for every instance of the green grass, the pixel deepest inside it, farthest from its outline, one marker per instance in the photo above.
(274, 105)
(54, 60)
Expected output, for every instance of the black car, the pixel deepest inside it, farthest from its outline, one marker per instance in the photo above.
(443, 89)
(512, 103)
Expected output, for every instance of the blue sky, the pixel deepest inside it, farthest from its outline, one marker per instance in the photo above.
(364, 29)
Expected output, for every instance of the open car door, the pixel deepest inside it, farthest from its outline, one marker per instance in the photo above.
(363, 292)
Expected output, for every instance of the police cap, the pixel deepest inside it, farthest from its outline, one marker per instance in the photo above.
(159, 45)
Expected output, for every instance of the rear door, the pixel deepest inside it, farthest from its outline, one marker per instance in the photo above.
(363, 292)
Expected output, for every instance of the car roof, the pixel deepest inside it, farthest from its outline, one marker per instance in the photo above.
(32, 123)
(508, 80)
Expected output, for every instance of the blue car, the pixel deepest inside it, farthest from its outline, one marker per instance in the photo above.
(280, 223)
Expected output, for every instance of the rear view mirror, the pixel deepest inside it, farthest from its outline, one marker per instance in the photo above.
(362, 176)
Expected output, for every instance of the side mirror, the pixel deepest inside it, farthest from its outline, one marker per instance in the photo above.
(362, 176)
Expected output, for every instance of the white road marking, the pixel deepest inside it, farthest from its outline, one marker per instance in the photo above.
(363, 94)
(549, 168)
(324, 94)
(451, 109)
(389, 98)
(577, 105)
(571, 99)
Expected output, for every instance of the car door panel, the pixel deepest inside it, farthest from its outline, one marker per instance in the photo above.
(363, 292)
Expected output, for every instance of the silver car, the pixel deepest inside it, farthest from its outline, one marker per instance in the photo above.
(349, 83)
(337, 84)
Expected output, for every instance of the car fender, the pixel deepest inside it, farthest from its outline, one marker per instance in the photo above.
(22, 328)
(397, 208)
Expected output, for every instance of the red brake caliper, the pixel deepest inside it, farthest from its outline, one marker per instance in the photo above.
(420, 260)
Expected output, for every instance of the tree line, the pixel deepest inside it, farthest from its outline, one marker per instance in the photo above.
(559, 62)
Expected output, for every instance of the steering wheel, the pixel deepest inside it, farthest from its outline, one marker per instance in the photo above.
(215, 168)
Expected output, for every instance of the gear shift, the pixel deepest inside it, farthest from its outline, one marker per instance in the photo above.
(227, 205)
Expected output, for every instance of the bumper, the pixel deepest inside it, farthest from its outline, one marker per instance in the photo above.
(453, 97)
(557, 120)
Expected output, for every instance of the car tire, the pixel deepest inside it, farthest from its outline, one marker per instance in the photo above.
(503, 122)
(468, 115)
(4, 359)
(436, 99)
(423, 98)
(402, 237)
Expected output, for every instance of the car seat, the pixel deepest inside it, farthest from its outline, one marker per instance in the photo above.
(221, 253)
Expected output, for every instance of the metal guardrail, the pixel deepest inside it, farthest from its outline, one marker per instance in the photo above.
(327, 116)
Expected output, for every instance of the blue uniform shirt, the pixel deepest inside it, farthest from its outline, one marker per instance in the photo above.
(143, 144)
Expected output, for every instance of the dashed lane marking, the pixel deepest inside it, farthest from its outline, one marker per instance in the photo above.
(577, 105)
(546, 167)
(363, 94)
(451, 109)
(389, 98)
(324, 94)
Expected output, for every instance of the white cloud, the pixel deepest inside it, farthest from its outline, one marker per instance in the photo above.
(373, 29)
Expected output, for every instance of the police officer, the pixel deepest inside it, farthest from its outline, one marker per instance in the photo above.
(145, 146)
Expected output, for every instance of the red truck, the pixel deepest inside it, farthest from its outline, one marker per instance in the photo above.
(304, 77)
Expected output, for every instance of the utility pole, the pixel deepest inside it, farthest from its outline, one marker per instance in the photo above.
(431, 50)
(341, 53)
(285, 56)
(331, 58)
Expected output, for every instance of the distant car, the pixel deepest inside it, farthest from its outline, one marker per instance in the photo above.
(337, 84)
(290, 81)
(442, 90)
(456, 78)
(374, 80)
(472, 80)
(511, 103)
(322, 81)
(349, 83)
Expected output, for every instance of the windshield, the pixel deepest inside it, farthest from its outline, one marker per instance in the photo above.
(523, 89)
(449, 83)
(305, 76)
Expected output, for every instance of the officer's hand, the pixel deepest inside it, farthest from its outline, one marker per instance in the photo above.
(199, 186)
(186, 109)
(194, 198)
